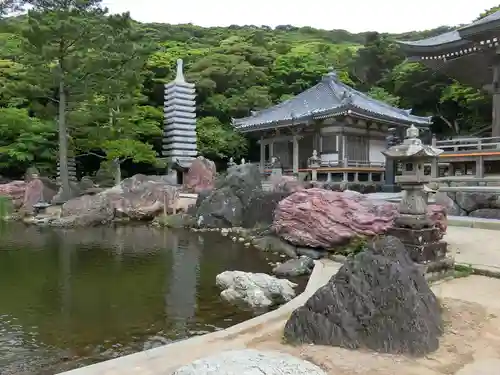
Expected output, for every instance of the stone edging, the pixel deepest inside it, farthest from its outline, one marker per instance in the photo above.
(477, 223)
(179, 353)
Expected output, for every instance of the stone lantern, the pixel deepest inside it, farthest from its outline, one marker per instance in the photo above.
(314, 162)
(413, 225)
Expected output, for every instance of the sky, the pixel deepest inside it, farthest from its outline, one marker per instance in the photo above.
(353, 15)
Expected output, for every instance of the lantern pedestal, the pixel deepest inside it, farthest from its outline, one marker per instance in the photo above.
(423, 245)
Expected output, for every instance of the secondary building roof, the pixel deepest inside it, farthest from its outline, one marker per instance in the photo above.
(329, 98)
(463, 53)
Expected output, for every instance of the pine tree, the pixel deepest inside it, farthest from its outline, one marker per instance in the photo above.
(77, 51)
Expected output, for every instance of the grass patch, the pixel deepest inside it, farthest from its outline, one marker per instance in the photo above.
(462, 270)
(353, 247)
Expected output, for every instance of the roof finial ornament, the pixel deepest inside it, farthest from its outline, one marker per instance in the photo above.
(180, 74)
(332, 73)
(412, 132)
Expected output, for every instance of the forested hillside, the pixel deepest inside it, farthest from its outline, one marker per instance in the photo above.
(111, 70)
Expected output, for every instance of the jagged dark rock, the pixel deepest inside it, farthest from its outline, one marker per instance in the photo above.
(226, 204)
(378, 300)
(260, 208)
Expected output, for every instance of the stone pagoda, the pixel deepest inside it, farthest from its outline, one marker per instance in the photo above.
(71, 170)
(470, 54)
(413, 226)
(179, 141)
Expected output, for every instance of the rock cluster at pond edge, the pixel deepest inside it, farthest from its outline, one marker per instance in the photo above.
(378, 300)
(136, 198)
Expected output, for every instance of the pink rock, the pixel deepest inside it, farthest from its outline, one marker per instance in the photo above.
(15, 191)
(139, 198)
(323, 218)
(201, 175)
(36, 191)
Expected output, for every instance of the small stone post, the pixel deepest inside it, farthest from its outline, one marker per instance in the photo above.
(314, 163)
(276, 170)
(231, 162)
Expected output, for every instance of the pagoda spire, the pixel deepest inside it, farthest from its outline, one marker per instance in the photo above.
(179, 77)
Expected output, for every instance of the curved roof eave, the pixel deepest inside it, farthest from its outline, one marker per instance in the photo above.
(443, 42)
(485, 24)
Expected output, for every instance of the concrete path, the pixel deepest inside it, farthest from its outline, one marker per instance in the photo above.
(479, 248)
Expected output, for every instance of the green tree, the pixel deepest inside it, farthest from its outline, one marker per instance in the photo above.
(25, 141)
(217, 141)
(74, 51)
(116, 131)
(384, 96)
(375, 61)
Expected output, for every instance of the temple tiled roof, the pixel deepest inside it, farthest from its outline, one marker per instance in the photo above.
(329, 98)
(455, 38)
(449, 37)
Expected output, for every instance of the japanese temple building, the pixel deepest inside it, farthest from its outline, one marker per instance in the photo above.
(470, 54)
(346, 127)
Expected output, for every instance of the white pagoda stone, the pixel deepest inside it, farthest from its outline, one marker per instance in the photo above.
(179, 141)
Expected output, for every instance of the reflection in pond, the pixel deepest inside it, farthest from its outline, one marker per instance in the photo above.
(74, 297)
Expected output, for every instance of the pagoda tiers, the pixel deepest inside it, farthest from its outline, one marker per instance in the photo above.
(470, 54)
(179, 137)
(71, 170)
(346, 127)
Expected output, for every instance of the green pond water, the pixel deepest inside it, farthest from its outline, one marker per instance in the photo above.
(70, 298)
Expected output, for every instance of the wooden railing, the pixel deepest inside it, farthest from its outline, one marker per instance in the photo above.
(352, 164)
(468, 144)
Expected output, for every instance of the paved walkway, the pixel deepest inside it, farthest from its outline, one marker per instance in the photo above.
(479, 248)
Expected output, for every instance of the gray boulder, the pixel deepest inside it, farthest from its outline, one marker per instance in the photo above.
(254, 290)
(273, 243)
(226, 204)
(378, 300)
(250, 362)
(312, 253)
(260, 208)
(295, 267)
(86, 211)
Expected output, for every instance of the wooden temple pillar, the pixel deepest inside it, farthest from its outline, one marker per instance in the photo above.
(434, 162)
(495, 123)
(262, 154)
(295, 155)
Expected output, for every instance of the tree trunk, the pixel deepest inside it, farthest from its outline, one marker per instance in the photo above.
(63, 144)
(118, 171)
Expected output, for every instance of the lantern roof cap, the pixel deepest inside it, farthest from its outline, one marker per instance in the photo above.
(412, 148)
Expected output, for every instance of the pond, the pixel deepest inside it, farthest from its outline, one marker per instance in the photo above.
(70, 298)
